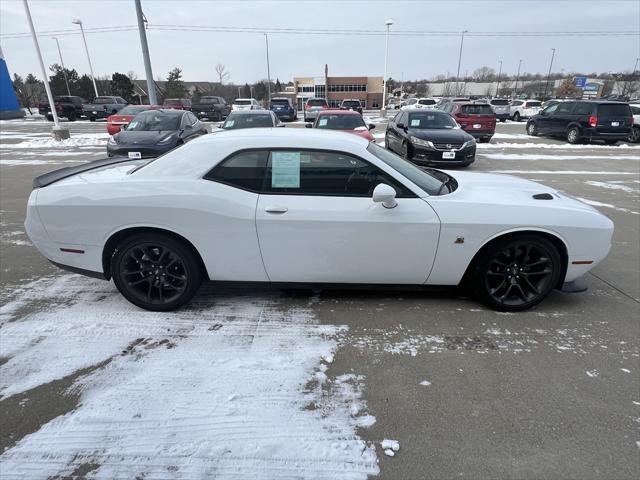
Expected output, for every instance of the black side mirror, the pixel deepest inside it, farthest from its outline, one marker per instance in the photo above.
(308, 125)
(371, 126)
(401, 126)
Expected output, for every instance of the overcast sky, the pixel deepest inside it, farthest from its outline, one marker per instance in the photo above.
(197, 53)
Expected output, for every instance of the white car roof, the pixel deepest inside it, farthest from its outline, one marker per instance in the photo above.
(198, 156)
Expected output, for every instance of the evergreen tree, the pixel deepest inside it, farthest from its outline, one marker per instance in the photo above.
(122, 86)
(84, 87)
(57, 80)
(278, 85)
(174, 88)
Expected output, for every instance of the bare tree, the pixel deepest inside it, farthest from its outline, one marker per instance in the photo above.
(132, 75)
(223, 73)
(484, 74)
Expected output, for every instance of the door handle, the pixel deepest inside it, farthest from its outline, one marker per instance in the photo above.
(275, 209)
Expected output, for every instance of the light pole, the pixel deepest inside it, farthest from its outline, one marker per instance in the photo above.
(499, 73)
(79, 22)
(151, 87)
(64, 71)
(266, 39)
(58, 132)
(546, 86)
(459, 61)
(388, 23)
(515, 89)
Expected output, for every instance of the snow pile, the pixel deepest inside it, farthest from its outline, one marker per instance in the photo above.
(613, 186)
(81, 140)
(595, 203)
(390, 447)
(560, 146)
(535, 156)
(224, 389)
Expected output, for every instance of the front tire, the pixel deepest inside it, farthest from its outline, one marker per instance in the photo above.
(573, 135)
(516, 117)
(156, 272)
(516, 273)
(532, 129)
(406, 151)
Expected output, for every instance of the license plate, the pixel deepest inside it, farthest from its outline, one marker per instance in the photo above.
(135, 155)
(203, 113)
(448, 154)
(615, 124)
(477, 125)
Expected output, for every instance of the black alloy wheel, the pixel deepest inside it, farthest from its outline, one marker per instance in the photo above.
(155, 272)
(517, 273)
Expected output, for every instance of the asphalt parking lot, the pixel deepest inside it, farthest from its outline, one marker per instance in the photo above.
(286, 384)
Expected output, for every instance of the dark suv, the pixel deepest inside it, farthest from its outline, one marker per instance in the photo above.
(584, 121)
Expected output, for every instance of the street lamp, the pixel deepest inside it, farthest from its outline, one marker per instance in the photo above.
(459, 61)
(388, 23)
(266, 39)
(515, 90)
(64, 70)
(499, 73)
(79, 22)
(58, 132)
(546, 86)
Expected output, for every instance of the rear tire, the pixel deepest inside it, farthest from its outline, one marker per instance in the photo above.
(156, 272)
(532, 129)
(573, 135)
(516, 273)
(71, 117)
(516, 117)
(634, 136)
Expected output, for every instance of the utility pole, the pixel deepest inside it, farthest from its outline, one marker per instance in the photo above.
(86, 49)
(58, 132)
(546, 87)
(266, 39)
(459, 61)
(383, 111)
(499, 73)
(151, 87)
(64, 70)
(515, 90)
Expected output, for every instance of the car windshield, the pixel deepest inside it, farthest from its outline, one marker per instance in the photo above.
(239, 101)
(247, 121)
(133, 109)
(477, 109)
(317, 103)
(280, 103)
(149, 121)
(614, 110)
(208, 100)
(500, 102)
(431, 120)
(421, 178)
(534, 104)
(351, 103)
(100, 100)
(427, 101)
(340, 122)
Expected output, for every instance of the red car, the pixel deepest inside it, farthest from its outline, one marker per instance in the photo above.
(477, 119)
(346, 120)
(124, 116)
(177, 103)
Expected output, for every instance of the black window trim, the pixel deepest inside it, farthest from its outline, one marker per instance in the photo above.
(209, 175)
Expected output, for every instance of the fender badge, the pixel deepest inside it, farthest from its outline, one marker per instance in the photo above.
(459, 240)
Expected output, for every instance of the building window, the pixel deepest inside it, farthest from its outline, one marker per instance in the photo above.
(304, 89)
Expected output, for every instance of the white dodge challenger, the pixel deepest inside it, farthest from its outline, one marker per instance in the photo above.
(310, 208)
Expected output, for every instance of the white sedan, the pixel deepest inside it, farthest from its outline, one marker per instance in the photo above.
(301, 207)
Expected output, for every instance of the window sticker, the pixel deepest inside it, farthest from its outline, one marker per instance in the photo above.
(322, 122)
(415, 122)
(285, 169)
(230, 123)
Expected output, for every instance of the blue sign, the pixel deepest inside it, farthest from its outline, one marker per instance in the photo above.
(592, 87)
(580, 82)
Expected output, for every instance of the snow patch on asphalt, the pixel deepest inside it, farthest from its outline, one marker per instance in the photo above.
(558, 146)
(595, 203)
(535, 156)
(21, 163)
(82, 140)
(561, 172)
(220, 389)
(613, 186)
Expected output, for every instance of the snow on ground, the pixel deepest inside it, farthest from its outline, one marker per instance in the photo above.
(613, 186)
(535, 156)
(595, 203)
(564, 172)
(81, 140)
(224, 389)
(560, 146)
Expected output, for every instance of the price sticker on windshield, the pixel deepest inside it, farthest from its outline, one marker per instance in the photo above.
(322, 122)
(415, 122)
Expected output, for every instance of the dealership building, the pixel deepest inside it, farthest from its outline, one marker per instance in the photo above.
(335, 89)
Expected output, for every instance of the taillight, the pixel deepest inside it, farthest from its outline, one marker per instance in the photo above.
(593, 121)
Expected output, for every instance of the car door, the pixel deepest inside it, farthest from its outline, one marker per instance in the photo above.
(317, 222)
(545, 117)
(398, 132)
(561, 118)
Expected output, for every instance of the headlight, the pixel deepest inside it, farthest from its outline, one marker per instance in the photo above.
(166, 140)
(469, 143)
(421, 142)
(112, 141)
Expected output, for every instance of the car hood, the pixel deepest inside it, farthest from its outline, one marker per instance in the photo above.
(509, 191)
(454, 135)
(142, 137)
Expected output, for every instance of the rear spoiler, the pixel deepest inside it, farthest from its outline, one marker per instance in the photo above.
(61, 173)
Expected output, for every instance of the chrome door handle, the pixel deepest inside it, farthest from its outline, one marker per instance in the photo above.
(276, 209)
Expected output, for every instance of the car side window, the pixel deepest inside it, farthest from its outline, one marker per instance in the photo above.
(635, 110)
(244, 170)
(322, 173)
(565, 108)
(550, 110)
(516, 103)
(191, 118)
(583, 109)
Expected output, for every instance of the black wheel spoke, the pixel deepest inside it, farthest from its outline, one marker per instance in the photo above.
(137, 282)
